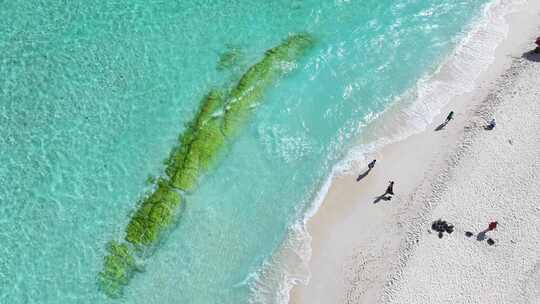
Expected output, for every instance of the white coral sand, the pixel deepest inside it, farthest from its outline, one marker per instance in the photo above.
(385, 252)
(494, 175)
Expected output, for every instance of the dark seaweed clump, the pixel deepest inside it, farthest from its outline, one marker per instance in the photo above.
(218, 119)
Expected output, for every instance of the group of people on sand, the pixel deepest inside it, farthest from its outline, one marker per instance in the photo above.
(390, 189)
(438, 224)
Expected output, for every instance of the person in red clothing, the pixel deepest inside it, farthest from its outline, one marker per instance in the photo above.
(492, 226)
(537, 50)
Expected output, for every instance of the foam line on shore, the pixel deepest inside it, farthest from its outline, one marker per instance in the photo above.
(457, 74)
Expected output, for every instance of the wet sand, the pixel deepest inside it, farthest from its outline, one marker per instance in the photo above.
(369, 250)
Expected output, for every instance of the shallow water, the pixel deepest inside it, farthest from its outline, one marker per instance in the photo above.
(93, 97)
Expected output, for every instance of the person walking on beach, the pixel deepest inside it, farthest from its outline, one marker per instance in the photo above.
(449, 117)
(491, 125)
(370, 166)
(390, 188)
(537, 50)
(492, 226)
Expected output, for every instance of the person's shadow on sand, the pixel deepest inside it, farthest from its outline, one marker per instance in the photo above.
(532, 56)
(441, 126)
(383, 197)
(361, 176)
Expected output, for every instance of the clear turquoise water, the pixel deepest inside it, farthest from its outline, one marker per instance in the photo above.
(93, 96)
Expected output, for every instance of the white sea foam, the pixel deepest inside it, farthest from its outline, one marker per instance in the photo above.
(407, 115)
(458, 73)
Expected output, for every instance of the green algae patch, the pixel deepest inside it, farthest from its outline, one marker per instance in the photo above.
(206, 134)
(155, 214)
(229, 58)
(250, 88)
(216, 121)
(118, 267)
(199, 145)
(202, 153)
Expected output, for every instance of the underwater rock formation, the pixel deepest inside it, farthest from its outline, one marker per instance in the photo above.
(199, 144)
(250, 88)
(118, 267)
(155, 213)
(217, 120)
(229, 58)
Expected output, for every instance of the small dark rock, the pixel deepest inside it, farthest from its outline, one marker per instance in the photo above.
(469, 234)
(490, 242)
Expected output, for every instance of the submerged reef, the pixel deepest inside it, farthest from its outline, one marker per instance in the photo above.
(229, 58)
(250, 88)
(199, 144)
(218, 119)
(118, 267)
(155, 213)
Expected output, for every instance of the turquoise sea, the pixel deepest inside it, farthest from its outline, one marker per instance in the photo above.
(93, 96)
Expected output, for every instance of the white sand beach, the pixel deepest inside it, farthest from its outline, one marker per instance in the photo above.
(365, 251)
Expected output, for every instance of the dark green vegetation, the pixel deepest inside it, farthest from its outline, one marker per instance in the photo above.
(229, 59)
(258, 77)
(118, 267)
(154, 214)
(199, 144)
(217, 120)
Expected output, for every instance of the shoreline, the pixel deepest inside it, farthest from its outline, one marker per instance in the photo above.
(346, 230)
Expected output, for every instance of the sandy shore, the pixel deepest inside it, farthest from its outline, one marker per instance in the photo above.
(368, 251)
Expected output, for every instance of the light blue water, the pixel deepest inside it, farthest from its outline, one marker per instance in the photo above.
(94, 95)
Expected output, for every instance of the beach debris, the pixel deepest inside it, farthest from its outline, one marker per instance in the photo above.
(490, 242)
(442, 227)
